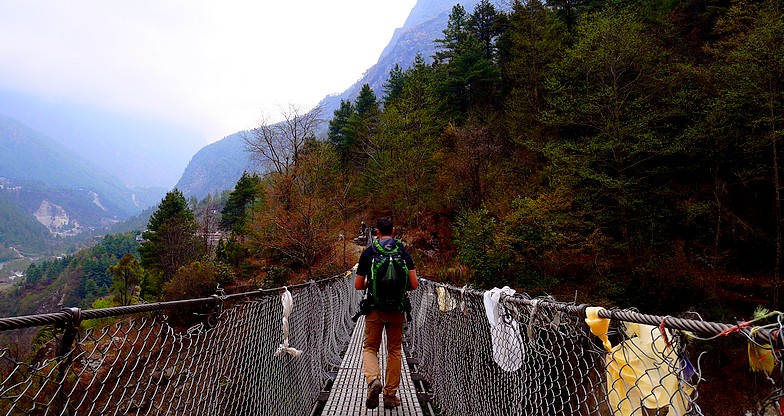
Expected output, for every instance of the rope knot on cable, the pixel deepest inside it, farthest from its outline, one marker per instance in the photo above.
(288, 306)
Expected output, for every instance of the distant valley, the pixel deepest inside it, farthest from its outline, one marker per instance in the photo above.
(50, 190)
(48, 193)
(138, 152)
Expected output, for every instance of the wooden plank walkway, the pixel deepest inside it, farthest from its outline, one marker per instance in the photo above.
(349, 391)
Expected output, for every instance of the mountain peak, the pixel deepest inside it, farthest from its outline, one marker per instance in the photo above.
(220, 165)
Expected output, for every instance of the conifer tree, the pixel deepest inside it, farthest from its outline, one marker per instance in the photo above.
(400, 169)
(532, 44)
(361, 126)
(486, 24)
(465, 76)
(366, 102)
(569, 11)
(172, 239)
(613, 94)
(393, 86)
(340, 132)
(236, 211)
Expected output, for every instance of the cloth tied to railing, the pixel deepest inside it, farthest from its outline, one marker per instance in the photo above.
(761, 358)
(288, 306)
(445, 301)
(504, 330)
(639, 370)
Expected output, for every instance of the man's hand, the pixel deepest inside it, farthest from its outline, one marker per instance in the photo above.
(359, 282)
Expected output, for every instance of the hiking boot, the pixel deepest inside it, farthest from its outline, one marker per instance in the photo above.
(374, 389)
(391, 402)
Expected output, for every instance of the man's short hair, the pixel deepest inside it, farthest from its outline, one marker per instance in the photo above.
(384, 225)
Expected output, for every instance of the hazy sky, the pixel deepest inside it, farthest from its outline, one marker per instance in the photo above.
(215, 66)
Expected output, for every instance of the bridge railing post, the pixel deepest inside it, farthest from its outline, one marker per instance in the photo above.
(65, 352)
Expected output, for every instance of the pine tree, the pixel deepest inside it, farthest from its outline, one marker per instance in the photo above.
(534, 41)
(569, 11)
(400, 171)
(393, 86)
(366, 102)
(172, 239)
(465, 76)
(486, 24)
(363, 125)
(235, 213)
(340, 132)
(612, 96)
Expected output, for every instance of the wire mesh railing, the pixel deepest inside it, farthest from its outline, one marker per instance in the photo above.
(478, 353)
(504, 353)
(235, 361)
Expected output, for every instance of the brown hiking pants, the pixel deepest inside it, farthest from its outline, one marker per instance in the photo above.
(375, 323)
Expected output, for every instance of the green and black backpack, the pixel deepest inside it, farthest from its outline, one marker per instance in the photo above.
(388, 278)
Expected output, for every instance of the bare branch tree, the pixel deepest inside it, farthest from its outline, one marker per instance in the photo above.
(278, 146)
(301, 222)
(208, 224)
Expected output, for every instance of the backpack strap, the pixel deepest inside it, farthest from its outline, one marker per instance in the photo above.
(379, 249)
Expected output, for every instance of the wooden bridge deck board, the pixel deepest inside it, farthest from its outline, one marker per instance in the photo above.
(349, 391)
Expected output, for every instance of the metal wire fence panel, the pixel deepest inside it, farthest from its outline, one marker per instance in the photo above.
(513, 355)
(478, 353)
(231, 363)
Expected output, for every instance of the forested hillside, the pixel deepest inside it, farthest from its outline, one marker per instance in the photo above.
(73, 280)
(623, 153)
(624, 150)
(49, 195)
(616, 153)
(18, 228)
(216, 167)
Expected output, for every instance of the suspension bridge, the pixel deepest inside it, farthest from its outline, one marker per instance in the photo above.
(295, 351)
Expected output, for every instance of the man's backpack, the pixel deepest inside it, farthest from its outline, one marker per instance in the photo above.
(388, 278)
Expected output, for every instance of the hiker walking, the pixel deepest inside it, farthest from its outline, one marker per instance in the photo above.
(387, 271)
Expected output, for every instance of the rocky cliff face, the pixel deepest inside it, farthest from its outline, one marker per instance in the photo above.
(97, 201)
(216, 167)
(424, 25)
(56, 219)
(219, 166)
